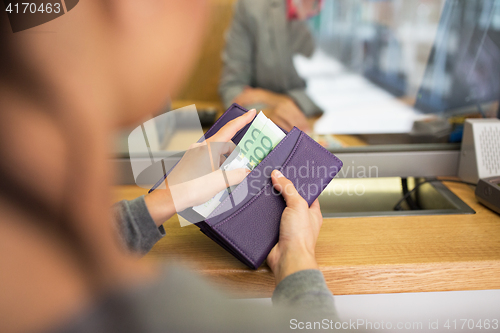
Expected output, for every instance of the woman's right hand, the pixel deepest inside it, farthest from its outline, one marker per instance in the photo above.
(299, 230)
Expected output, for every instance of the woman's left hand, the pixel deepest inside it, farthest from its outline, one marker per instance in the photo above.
(197, 177)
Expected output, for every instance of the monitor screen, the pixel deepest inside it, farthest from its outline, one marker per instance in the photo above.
(464, 65)
(369, 63)
(388, 66)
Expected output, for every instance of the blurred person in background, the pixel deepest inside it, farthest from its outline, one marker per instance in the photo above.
(64, 87)
(258, 59)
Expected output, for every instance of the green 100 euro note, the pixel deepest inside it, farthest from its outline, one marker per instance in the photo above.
(261, 137)
(269, 137)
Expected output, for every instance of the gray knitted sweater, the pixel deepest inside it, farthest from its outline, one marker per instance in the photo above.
(181, 301)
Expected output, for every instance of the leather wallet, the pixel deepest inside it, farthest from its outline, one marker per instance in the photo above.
(246, 223)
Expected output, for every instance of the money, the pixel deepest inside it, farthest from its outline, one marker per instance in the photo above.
(252, 133)
(262, 136)
(268, 138)
(254, 146)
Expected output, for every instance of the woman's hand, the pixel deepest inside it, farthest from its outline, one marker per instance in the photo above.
(299, 229)
(197, 177)
(281, 109)
(251, 96)
(287, 114)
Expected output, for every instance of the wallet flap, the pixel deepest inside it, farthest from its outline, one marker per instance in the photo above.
(253, 229)
(256, 179)
(311, 167)
(246, 223)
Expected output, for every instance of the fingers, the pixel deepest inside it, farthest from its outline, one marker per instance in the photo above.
(282, 122)
(290, 114)
(302, 123)
(236, 176)
(287, 190)
(299, 119)
(226, 147)
(197, 191)
(315, 206)
(219, 180)
(248, 96)
(229, 130)
(222, 160)
(316, 210)
(240, 99)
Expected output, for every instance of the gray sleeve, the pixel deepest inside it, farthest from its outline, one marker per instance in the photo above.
(180, 301)
(305, 289)
(138, 230)
(237, 56)
(305, 103)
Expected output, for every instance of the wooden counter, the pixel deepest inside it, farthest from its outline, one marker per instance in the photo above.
(362, 255)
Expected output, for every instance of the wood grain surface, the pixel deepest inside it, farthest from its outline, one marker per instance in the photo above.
(362, 255)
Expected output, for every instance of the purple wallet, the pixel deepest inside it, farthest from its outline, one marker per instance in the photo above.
(246, 223)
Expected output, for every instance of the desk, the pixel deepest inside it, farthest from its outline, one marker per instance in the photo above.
(366, 255)
(346, 140)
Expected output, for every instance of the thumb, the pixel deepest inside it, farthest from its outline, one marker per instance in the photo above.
(287, 190)
(219, 180)
(305, 127)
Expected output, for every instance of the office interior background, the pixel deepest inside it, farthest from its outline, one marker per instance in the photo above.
(382, 71)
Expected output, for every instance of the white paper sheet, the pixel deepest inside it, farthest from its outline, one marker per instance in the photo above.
(352, 104)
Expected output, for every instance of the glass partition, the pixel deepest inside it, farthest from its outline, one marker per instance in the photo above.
(398, 72)
(395, 75)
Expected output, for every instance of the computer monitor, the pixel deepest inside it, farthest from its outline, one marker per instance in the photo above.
(389, 76)
(463, 69)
